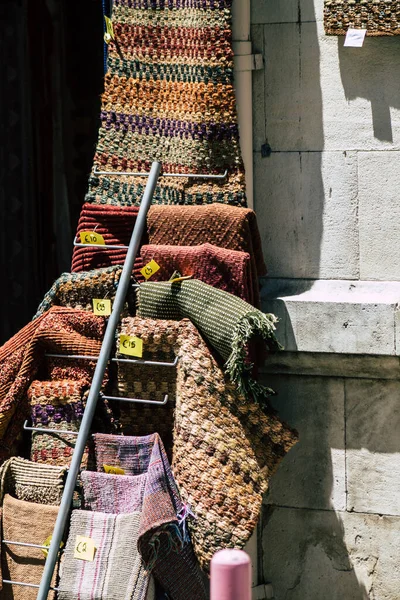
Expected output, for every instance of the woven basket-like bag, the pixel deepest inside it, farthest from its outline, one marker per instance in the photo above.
(378, 17)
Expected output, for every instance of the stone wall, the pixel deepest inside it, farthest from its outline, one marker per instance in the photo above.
(327, 203)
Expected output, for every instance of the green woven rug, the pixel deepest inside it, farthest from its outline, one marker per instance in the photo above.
(227, 322)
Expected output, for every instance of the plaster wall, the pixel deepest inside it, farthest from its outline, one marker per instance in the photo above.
(326, 198)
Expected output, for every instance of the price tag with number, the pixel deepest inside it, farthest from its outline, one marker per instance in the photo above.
(102, 307)
(84, 548)
(149, 269)
(113, 470)
(91, 237)
(131, 345)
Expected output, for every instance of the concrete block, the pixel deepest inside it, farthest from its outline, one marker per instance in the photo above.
(287, 11)
(379, 215)
(322, 555)
(306, 206)
(312, 475)
(321, 95)
(347, 317)
(259, 136)
(373, 446)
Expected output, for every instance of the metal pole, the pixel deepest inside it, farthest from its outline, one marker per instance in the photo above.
(96, 383)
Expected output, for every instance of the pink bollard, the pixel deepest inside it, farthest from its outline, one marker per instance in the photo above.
(230, 575)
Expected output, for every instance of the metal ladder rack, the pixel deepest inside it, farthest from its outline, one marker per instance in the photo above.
(102, 361)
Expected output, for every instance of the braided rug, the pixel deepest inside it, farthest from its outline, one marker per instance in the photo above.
(161, 541)
(169, 97)
(228, 323)
(378, 17)
(225, 447)
(228, 270)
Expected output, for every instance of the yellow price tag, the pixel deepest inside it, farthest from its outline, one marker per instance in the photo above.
(113, 470)
(91, 237)
(131, 345)
(176, 279)
(47, 543)
(149, 269)
(84, 548)
(102, 307)
(109, 33)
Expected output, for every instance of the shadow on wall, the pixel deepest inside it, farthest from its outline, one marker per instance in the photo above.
(366, 73)
(304, 554)
(289, 189)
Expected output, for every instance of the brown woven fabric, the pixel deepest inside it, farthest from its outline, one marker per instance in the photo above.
(31, 482)
(62, 330)
(225, 447)
(228, 270)
(378, 17)
(115, 224)
(30, 523)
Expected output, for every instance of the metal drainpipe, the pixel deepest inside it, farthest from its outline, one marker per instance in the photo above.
(245, 63)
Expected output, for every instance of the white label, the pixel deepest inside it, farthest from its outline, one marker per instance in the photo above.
(355, 37)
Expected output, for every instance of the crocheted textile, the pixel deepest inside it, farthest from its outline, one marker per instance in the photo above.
(29, 481)
(117, 570)
(228, 227)
(60, 330)
(30, 523)
(115, 224)
(57, 405)
(160, 540)
(227, 323)
(378, 17)
(225, 447)
(77, 290)
(169, 97)
(227, 270)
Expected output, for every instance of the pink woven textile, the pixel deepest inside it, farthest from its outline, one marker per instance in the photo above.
(228, 270)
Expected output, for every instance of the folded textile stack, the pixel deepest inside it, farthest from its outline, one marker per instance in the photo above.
(169, 96)
(115, 224)
(57, 405)
(63, 330)
(225, 447)
(161, 539)
(77, 290)
(228, 270)
(116, 571)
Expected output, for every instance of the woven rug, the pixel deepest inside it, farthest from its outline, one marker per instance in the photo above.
(60, 330)
(30, 523)
(169, 96)
(115, 224)
(117, 570)
(161, 540)
(228, 323)
(378, 17)
(115, 494)
(77, 290)
(228, 270)
(31, 482)
(228, 227)
(57, 405)
(225, 446)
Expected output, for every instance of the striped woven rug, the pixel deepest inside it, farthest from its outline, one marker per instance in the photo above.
(169, 97)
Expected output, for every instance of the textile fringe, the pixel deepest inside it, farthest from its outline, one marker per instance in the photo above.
(175, 543)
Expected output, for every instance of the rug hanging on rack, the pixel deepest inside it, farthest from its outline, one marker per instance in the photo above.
(30, 523)
(161, 539)
(225, 447)
(229, 324)
(227, 270)
(169, 97)
(378, 17)
(77, 290)
(117, 569)
(59, 330)
(32, 482)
